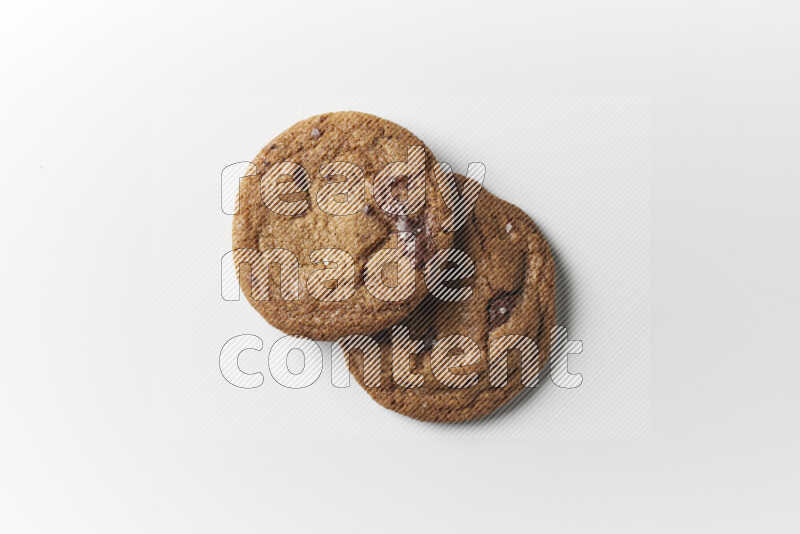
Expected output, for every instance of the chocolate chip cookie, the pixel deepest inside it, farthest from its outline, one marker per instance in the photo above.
(335, 224)
(456, 360)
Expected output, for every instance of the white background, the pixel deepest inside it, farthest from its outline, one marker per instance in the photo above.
(78, 452)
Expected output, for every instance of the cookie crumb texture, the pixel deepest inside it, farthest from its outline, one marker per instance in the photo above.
(371, 143)
(513, 293)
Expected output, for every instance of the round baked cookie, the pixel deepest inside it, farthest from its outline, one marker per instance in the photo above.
(304, 194)
(512, 294)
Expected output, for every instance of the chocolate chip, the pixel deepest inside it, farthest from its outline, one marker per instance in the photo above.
(500, 307)
(315, 134)
(404, 224)
(429, 339)
(399, 186)
(424, 231)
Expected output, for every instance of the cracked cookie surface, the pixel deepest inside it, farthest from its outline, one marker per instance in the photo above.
(512, 294)
(370, 143)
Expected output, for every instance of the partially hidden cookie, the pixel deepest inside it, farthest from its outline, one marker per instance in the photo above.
(320, 200)
(512, 300)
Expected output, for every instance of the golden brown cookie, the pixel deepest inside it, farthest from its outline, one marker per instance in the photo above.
(512, 300)
(321, 199)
